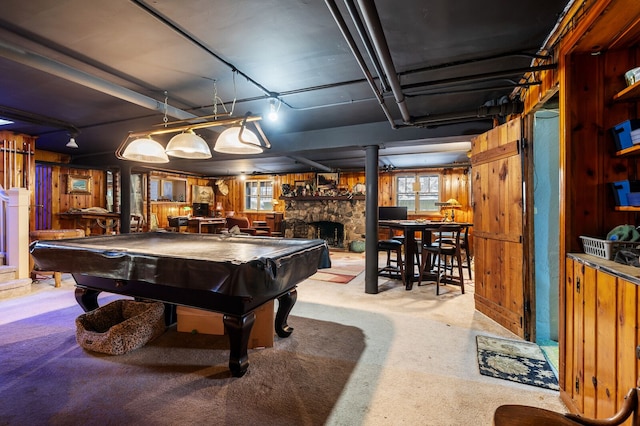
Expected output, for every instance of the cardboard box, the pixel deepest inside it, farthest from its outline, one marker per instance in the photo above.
(198, 320)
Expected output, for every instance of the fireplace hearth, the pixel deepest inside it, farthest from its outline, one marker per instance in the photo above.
(336, 221)
(331, 232)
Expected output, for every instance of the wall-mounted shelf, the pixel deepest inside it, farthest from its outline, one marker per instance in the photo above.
(630, 93)
(632, 150)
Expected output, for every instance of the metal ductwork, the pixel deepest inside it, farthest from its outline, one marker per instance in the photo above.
(66, 72)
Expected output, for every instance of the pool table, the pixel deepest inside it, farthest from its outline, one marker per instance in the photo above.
(230, 274)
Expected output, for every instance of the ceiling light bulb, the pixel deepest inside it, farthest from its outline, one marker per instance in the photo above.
(72, 143)
(273, 112)
(145, 150)
(229, 142)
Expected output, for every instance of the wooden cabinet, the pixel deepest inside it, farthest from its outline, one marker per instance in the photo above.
(601, 333)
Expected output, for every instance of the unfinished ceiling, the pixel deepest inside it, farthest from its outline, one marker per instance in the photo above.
(417, 78)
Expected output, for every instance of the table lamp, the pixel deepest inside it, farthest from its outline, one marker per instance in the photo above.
(219, 209)
(451, 203)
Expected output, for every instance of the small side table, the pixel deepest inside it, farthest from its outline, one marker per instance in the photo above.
(52, 234)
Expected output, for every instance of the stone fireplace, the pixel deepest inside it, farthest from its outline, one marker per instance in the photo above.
(337, 220)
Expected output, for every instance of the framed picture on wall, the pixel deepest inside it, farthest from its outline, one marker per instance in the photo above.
(300, 187)
(78, 184)
(327, 181)
(202, 194)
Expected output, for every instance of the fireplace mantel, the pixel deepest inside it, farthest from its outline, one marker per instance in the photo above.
(322, 198)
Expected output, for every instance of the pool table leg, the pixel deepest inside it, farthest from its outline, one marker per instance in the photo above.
(87, 298)
(285, 304)
(239, 330)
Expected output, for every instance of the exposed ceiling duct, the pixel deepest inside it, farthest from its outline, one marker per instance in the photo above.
(61, 70)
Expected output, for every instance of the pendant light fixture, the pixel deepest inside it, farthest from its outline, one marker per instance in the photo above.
(237, 139)
(72, 143)
(188, 145)
(240, 140)
(145, 150)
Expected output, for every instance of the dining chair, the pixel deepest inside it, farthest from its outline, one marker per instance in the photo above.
(441, 255)
(137, 223)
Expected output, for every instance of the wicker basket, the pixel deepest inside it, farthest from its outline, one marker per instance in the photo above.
(605, 249)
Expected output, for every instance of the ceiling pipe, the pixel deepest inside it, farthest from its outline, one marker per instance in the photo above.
(311, 163)
(170, 24)
(37, 61)
(483, 76)
(41, 120)
(355, 17)
(483, 112)
(374, 27)
(333, 8)
(474, 61)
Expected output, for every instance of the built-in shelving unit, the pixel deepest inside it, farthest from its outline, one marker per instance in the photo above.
(630, 93)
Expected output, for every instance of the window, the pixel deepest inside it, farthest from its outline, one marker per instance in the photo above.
(258, 195)
(419, 193)
(167, 189)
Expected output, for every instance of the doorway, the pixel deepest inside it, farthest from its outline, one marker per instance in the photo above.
(546, 211)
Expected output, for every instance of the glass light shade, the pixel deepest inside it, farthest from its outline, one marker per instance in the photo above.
(145, 150)
(188, 145)
(229, 143)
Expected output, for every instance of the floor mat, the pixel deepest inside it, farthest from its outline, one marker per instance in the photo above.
(332, 277)
(515, 360)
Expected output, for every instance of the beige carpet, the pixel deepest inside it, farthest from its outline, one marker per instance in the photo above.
(418, 365)
(179, 378)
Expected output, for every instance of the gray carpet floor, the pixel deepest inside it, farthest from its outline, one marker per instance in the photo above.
(414, 359)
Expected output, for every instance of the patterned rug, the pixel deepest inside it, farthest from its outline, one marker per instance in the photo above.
(344, 268)
(515, 360)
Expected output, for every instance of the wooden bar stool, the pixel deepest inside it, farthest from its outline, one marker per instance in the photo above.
(393, 268)
(443, 255)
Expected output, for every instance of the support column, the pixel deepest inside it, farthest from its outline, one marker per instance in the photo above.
(125, 199)
(17, 227)
(371, 220)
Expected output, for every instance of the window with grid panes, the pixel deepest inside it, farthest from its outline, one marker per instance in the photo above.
(418, 192)
(258, 195)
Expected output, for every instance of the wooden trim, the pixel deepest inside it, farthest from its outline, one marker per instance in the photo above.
(503, 151)
(528, 249)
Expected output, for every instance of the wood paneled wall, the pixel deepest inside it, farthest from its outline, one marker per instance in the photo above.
(53, 173)
(455, 184)
(17, 164)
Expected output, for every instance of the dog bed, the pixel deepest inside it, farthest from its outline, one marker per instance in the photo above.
(120, 326)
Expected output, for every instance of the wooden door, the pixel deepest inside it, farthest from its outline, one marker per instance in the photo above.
(497, 160)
